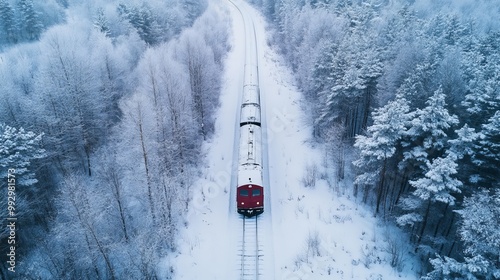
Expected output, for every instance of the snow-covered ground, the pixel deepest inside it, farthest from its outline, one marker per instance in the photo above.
(307, 233)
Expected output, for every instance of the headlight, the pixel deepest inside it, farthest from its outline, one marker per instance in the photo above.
(243, 203)
(258, 203)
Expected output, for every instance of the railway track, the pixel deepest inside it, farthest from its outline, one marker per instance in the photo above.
(250, 252)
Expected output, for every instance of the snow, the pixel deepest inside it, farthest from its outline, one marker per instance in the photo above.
(306, 233)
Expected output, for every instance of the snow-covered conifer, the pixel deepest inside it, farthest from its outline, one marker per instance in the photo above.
(18, 148)
(487, 157)
(438, 183)
(428, 133)
(7, 22)
(101, 23)
(30, 22)
(479, 232)
(390, 124)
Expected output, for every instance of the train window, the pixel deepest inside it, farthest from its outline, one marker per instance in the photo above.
(255, 192)
(244, 192)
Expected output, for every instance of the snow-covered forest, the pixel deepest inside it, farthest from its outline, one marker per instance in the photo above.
(414, 88)
(105, 107)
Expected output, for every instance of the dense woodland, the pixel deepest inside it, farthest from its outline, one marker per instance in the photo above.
(103, 108)
(405, 95)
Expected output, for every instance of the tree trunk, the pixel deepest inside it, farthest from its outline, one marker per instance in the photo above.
(102, 251)
(116, 185)
(404, 182)
(448, 231)
(424, 222)
(441, 219)
(146, 165)
(380, 186)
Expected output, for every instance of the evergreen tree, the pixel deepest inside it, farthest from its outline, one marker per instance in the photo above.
(194, 8)
(352, 82)
(429, 163)
(328, 74)
(482, 75)
(144, 21)
(31, 24)
(438, 183)
(428, 134)
(101, 23)
(479, 232)
(487, 157)
(268, 6)
(19, 149)
(483, 98)
(390, 124)
(464, 147)
(8, 22)
(415, 87)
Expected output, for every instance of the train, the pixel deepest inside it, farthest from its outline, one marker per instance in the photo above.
(250, 189)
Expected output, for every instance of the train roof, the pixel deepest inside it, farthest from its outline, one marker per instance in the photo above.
(251, 94)
(250, 145)
(250, 113)
(250, 175)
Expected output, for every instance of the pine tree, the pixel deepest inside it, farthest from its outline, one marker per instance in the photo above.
(193, 8)
(353, 72)
(464, 147)
(268, 6)
(447, 29)
(328, 74)
(19, 151)
(482, 76)
(482, 104)
(31, 24)
(390, 124)
(483, 97)
(438, 183)
(101, 23)
(428, 134)
(487, 157)
(18, 148)
(7, 21)
(428, 162)
(415, 86)
(144, 21)
(479, 232)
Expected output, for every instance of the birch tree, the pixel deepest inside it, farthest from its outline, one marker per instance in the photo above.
(199, 60)
(70, 88)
